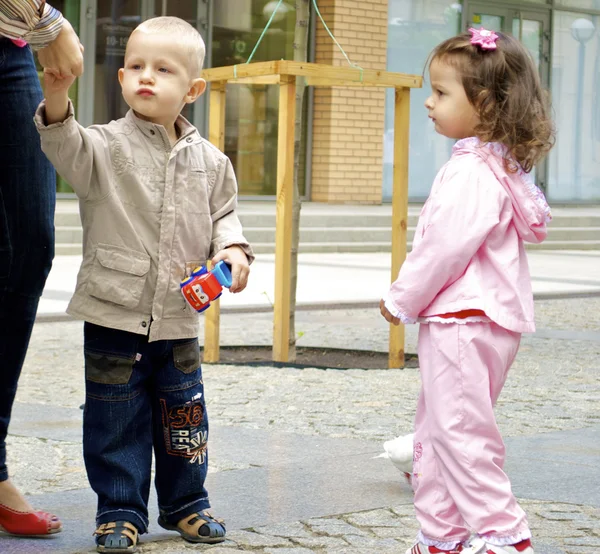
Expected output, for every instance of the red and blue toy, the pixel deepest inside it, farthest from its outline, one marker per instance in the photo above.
(203, 286)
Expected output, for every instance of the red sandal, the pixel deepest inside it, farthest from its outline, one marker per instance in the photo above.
(30, 524)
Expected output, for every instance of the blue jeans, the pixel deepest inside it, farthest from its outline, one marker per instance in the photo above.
(142, 396)
(27, 201)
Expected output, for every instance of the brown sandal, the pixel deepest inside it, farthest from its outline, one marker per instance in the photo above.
(116, 536)
(199, 528)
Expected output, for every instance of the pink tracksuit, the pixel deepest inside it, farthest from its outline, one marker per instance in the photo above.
(467, 281)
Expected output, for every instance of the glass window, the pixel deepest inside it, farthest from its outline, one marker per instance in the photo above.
(70, 9)
(529, 32)
(251, 114)
(575, 160)
(115, 21)
(495, 22)
(415, 27)
(584, 4)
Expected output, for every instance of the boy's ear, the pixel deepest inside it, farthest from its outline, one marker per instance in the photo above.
(121, 72)
(197, 88)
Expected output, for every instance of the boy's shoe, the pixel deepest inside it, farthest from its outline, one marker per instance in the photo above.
(116, 537)
(420, 548)
(198, 528)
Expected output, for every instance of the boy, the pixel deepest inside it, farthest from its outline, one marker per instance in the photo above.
(156, 201)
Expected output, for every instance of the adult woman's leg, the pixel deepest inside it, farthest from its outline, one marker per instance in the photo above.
(27, 202)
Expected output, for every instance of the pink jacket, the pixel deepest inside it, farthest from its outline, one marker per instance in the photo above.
(468, 251)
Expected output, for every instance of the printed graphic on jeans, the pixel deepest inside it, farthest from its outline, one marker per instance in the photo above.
(183, 430)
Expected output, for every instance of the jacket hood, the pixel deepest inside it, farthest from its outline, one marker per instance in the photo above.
(531, 211)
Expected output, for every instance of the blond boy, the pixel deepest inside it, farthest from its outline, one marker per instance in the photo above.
(156, 200)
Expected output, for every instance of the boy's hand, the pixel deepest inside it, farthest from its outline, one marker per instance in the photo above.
(55, 85)
(237, 259)
(56, 93)
(387, 314)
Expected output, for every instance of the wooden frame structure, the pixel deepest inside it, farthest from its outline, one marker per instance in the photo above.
(284, 74)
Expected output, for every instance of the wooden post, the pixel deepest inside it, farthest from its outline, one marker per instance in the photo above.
(216, 135)
(399, 210)
(283, 230)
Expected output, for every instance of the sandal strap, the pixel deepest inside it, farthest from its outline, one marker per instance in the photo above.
(124, 528)
(197, 520)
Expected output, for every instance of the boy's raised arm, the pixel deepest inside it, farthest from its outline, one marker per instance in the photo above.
(79, 155)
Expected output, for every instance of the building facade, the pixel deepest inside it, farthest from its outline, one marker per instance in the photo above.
(348, 134)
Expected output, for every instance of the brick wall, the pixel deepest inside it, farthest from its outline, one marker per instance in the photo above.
(347, 151)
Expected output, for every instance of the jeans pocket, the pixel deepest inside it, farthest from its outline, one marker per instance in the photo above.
(107, 369)
(186, 356)
(118, 275)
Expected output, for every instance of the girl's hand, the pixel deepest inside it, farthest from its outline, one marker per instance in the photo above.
(237, 259)
(387, 314)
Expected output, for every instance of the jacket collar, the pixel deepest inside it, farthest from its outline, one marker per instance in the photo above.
(155, 132)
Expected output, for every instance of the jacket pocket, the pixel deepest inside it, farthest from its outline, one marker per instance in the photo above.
(118, 275)
(186, 356)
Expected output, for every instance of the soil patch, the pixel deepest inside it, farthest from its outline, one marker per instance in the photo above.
(321, 358)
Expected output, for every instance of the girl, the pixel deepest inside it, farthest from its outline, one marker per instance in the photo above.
(467, 282)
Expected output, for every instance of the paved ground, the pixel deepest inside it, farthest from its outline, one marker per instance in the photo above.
(292, 465)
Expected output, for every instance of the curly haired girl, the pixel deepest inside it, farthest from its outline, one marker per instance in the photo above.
(467, 282)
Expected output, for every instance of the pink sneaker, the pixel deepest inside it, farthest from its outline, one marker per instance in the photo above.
(420, 548)
(479, 546)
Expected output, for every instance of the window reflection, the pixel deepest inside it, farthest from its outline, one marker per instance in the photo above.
(415, 27)
(251, 115)
(115, 21)
(575, 160)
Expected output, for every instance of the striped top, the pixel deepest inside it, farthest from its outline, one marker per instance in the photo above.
(33, 21)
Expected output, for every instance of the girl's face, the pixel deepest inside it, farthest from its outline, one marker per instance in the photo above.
(448, 106)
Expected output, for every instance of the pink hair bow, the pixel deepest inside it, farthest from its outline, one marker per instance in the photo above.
(483, 38)
(19, 42)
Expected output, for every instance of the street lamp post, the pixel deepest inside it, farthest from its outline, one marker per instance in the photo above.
(582, 30)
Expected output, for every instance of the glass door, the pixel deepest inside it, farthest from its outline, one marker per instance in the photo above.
(532, 28)
(105, 28)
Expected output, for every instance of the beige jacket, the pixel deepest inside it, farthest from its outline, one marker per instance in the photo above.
(151, 213)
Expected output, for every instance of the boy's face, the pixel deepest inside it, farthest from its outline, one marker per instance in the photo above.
(448, 105)
(156, 80)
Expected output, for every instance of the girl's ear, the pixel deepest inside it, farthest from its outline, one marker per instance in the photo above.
(482, 101)
(197, 88)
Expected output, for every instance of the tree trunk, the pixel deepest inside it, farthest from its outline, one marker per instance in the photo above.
(300, 55)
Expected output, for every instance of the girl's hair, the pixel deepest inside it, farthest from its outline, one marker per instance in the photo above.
(504, 87)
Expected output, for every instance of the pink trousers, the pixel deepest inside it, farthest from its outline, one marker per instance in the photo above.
(458, 480)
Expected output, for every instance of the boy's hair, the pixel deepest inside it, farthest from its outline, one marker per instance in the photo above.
(504, 87)
(183, 32)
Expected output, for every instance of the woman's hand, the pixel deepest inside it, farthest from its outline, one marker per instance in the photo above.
(63, 56)
(240, 269)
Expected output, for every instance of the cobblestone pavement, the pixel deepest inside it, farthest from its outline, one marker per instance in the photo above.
(554, 385)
